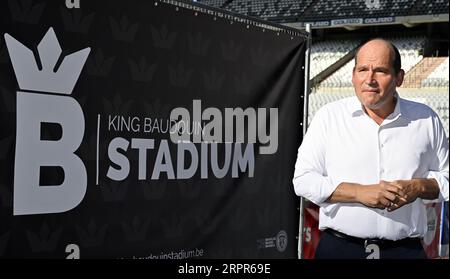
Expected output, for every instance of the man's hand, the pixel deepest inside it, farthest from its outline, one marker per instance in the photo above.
(382, 195)
(413, 189)
(410, 192)
(390, 195)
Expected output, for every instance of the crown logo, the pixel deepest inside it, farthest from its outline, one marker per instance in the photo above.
(174, 227)
(98, 65)
(180, 76)
(157, 109)
(213, 80)
(25, 11)
(123, 30)
(45, 240)
(205, 223)
(136, 231)
(115, 191)
(117, 105)
(189, 189)
(230, 51)
(198, 45)
(48, 77)
(163, 38)
(154, 191)
(140, 71)
(93, 235)
(259, 56)
(75, 21)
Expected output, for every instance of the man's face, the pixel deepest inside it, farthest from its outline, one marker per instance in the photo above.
(373, 77)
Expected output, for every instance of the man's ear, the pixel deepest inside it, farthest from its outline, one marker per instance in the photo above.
(400, 77)
(353, 76)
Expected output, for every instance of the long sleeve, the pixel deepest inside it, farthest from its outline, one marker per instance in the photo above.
(310, 176)
(439, 161)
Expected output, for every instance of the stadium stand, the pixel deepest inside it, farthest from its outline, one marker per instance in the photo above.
(214, 3)
(351, 8)
(438, 77)
(310, 10)
(410, 49)
(431, 7)
(326, 53)
(418, 74)
(270, 10)
(341, 78)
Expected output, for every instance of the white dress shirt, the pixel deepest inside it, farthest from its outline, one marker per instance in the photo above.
(343, 144)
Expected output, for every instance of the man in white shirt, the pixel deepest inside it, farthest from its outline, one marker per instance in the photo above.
(372, 162)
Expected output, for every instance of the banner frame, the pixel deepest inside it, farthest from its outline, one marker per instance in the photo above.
(304, 125)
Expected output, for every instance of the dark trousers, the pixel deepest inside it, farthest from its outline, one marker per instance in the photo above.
(332, 246)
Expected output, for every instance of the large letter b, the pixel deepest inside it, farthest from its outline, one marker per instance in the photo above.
(32, 153)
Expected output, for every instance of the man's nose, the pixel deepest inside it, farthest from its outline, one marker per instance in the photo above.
(370, 78)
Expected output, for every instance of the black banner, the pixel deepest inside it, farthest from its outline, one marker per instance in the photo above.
(147, 129)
